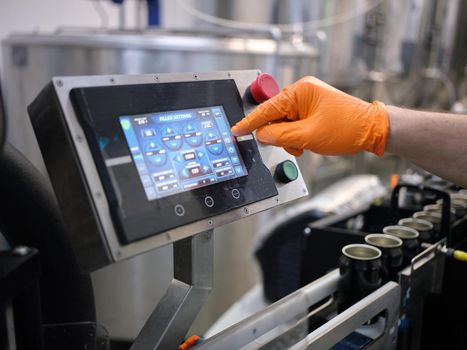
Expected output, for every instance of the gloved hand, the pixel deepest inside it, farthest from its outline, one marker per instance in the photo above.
(313, 115)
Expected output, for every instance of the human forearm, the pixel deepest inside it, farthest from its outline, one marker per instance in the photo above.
(437, 142)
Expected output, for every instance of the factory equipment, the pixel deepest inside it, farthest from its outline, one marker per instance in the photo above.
(384, 31)
(157, 158)
(31, 60)
(150, 161)
(430, 281)
(139, 162)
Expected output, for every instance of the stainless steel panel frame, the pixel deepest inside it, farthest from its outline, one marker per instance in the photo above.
(271, 157)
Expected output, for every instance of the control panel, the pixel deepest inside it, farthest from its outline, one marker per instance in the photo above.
(177, 151)
(138, 162)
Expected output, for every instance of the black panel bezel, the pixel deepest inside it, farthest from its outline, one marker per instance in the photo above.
(98, 110)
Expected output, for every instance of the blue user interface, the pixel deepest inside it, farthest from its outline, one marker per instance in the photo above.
(177, 151)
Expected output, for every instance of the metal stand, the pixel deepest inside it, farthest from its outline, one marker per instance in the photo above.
(193, 274)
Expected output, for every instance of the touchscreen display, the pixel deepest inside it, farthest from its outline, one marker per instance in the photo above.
(177, 151)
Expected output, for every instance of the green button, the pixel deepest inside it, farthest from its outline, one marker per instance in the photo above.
(290, 170)
(286, 172)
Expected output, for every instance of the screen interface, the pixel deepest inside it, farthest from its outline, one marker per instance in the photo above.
(177, 151)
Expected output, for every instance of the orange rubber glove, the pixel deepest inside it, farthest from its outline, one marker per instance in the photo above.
(313, 115)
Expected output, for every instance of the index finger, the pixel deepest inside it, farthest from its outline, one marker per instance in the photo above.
(273, 109)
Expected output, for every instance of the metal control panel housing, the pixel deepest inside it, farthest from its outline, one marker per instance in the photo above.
(111, 159)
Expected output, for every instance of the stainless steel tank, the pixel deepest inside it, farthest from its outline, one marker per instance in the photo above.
(413, 52)
(336, 27)
(127, 292)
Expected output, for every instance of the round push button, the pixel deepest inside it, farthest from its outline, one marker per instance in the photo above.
(286, 172)
(209, 201)
(262, 89)
(179, 210)
(235, 193)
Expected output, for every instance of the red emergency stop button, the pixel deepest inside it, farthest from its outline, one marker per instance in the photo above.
(262, 89)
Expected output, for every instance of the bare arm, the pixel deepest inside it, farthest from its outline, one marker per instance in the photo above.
(437, 142)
